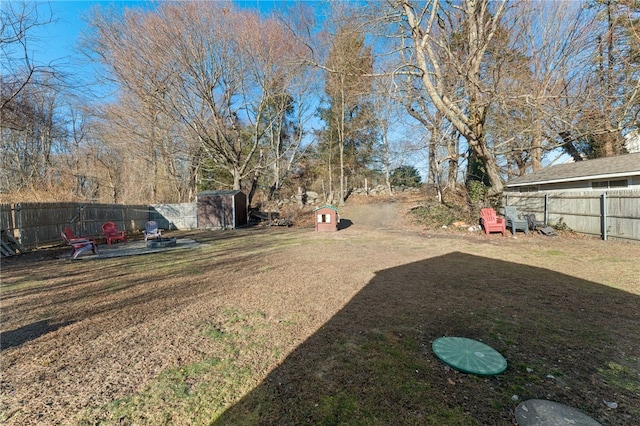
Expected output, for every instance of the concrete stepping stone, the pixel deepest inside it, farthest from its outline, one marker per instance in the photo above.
(540, 412)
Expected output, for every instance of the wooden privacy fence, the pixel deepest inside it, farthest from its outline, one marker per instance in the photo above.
(611, 214)
(36, 225)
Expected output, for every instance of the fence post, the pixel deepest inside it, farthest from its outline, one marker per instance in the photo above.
(83, 230)
(546, 209)
(603, 215)
(18, 222)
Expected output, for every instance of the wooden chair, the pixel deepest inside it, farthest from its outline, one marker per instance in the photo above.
(514, 221)
(80, 245)
(151, 230)
(491, 222)
(111, 232)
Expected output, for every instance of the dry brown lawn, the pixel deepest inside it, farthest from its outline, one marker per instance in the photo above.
(288, 326)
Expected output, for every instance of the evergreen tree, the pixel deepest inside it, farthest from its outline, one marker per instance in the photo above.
(406, 176)
(347, 140)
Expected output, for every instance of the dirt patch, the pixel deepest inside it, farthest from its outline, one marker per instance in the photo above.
(275, 325)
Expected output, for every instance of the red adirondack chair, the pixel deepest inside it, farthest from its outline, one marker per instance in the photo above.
(72, 237)
(80, 245)
(110, 230)
(491, 222)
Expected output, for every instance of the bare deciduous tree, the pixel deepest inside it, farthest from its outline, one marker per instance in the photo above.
(217, 73)
(538, 93)
(466, 35)
(18, 21)
(29, 101)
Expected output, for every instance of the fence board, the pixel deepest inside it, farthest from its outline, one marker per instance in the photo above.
(582, 211)
(40, 224)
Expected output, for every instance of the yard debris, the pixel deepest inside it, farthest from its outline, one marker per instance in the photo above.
(280, 222)
(548, 231)
(9, 246)
(272, 218)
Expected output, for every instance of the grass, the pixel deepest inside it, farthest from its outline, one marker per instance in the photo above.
(272, 335)
(390, 386)
(196, 392)
(624, 376)
(385, 375)
(192, 394)
(393, 363)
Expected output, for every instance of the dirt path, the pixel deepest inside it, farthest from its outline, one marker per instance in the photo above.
(380, 216)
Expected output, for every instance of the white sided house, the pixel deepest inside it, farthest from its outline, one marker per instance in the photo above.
(600, 174)
(598, 197)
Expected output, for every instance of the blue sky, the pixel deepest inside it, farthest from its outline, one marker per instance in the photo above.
(57, 43)
(58, 40)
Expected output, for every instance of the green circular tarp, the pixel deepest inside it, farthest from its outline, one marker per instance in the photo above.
(469, 356)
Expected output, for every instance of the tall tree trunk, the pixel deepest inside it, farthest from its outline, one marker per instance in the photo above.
(434, 169)
(536, 144)
(387, 161)
(477, 141)
(255, 180)
(237, 179)
(342, 141)
(453, 156)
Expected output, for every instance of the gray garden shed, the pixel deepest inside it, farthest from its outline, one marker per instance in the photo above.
(221, 209)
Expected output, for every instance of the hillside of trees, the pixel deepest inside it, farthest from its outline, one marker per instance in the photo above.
(317, 96)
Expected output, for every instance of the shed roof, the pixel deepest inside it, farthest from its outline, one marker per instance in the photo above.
(223, 192)
(326, 206)
(597, 168)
